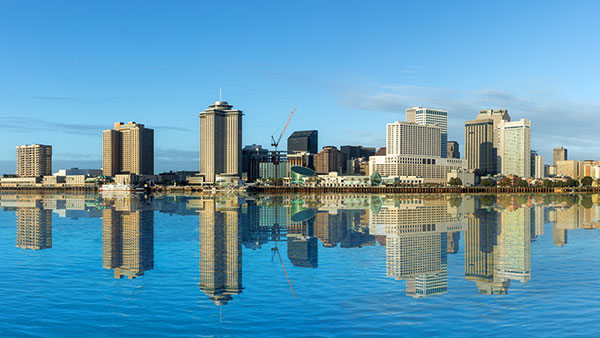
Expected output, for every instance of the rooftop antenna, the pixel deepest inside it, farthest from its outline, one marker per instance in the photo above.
(220, 94)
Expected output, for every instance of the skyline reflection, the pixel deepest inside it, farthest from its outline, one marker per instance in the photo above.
(421, 234)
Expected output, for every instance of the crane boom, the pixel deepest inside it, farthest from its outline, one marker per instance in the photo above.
(275, 144)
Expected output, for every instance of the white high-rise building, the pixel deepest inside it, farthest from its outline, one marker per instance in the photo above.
(436, 117)
(515, 147)
(539, 167)
(407, 138)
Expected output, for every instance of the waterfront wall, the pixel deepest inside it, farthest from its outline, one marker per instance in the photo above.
(418, 190)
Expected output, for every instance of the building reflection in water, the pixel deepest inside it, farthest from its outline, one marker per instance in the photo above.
(34, 226)
(302, 245)
(128, 236)
(416, 239)
(220, 248)
(419, 234)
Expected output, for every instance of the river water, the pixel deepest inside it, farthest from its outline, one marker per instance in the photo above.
(288, 266)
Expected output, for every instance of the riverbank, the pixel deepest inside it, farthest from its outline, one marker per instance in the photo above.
(417, 190)
(319, 190)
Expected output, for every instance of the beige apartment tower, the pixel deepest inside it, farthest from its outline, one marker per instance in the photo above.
(559, 154)
(479, 145)
(128, 148)
(220, 141)
(407, 138)
(34, 160)
(482, 140)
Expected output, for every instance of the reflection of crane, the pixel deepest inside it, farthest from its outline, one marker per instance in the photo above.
(276, 250)
(276, 144)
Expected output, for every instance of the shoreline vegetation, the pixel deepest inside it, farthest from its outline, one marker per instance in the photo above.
(159, 189)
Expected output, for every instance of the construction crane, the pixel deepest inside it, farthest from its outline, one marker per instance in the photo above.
(276, 143)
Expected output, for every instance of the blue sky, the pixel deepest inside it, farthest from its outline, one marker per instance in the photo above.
(69, 69)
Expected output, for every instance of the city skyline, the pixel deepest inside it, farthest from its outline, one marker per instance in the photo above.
(163, 76)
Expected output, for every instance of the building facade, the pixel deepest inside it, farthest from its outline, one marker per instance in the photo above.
(540, 168)
(479, 145)
(404, 138)
(433, 170)
(559, 154)
(515, 148)
(328, 160)
(252, 157)
(303, 141)
(569, 168)
(128, 148)
(453, 150)
(220, 250)
(220, 141)
(435, 117)
(34, 160)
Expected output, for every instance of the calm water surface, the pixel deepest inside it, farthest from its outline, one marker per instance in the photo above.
(286, 266)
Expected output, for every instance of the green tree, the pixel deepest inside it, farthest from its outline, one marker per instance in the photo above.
(455, 181)
(548, 184)
(487, 183)
(505, 182)
(587, 181)
(522, 184)
(571, 183)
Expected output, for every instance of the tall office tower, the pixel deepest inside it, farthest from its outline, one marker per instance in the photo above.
(34, 228)
(220, 250)
(539, 167)
(515, 147)
(559, 154)
(352, 152)
(431, 117)
(128, 148)
(496, 115)
(128, 238)
(252, 156)
(534, 154)
(404, 138)
(480, 152)
(34, 160)
(453, 150)
(328, 160)
(220, 141)
(305, 141)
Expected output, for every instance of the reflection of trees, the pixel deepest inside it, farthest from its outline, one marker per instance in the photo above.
(487, 200)
(455, 201)
(586, 201)
(568, 199)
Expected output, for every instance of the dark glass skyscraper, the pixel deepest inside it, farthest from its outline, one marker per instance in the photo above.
(303, 141)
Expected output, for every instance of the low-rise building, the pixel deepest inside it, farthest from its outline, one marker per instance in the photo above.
(466, 176)
(569, 168)
(433, 170)
(14, 182)
(53, 180)
(77, 171)
(75, 180)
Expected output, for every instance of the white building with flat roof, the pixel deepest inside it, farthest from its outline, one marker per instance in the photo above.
(515, 147)
(407, 138)
(431, 117)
